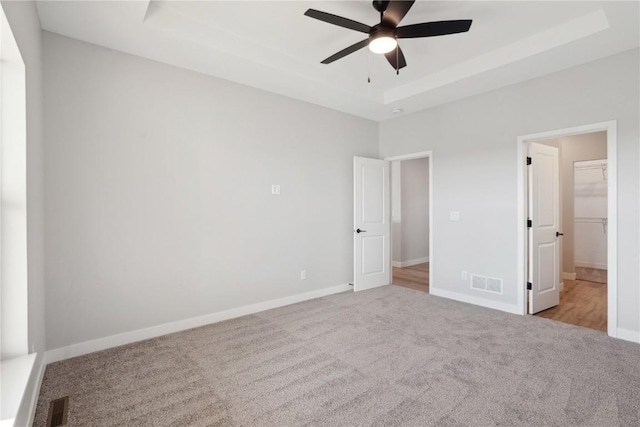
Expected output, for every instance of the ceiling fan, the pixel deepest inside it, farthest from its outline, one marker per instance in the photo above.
(383, 36)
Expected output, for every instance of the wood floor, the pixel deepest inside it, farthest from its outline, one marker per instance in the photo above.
(414, 277)
(582, 303)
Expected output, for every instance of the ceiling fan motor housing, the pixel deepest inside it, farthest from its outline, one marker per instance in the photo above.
(380, 5)
(377, 32)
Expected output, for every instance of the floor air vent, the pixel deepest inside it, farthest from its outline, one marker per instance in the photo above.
(58, 412)
(487, 284)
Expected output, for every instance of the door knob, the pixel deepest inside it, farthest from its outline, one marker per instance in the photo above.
(558, 234)
(360, 231)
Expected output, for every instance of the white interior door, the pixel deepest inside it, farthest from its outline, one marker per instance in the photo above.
(371, 225)
(544, 213)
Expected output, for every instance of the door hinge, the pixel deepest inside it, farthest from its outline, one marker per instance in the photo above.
(529, 223)
(528, 160)
(529, 286)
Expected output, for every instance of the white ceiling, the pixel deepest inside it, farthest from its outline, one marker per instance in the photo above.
(271, 45)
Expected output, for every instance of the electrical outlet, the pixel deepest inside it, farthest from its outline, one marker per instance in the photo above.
(275, 189)
(464, 275)
(303, 274)
(454, 216)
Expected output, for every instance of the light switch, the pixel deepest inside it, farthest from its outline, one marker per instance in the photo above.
(275, 189)
(454, 216)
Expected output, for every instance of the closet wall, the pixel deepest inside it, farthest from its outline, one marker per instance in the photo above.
(410, 212)
(574, 149)
(415, 211)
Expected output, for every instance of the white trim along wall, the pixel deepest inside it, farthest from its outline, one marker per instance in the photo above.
(410, 262)
(86, 347)
(612, 273)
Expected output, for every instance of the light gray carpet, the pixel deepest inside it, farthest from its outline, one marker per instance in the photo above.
(389, 356)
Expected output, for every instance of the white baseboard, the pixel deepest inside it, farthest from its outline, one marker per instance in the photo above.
(470, 299)
(561, 287)
(628, 335)
(568, 276)
(27, 410)
(402, 264)
(87, 347)
(584, 264)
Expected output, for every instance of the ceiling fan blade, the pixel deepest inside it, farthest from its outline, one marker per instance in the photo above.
(396, 10)
(396, 56)
(431, 29)
(338, 20)
(347, 51)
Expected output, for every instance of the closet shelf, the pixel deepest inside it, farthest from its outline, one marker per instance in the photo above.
(602, 167)
(594, 220)
(590, 219)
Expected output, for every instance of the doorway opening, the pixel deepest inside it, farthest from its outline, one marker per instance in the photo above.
(569, 203)
(411, 221)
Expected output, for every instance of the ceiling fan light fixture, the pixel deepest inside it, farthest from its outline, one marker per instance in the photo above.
(384, 43)
(382, 37)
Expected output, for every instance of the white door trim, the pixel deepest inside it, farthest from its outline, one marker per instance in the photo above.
(420, 155)
(612, 205)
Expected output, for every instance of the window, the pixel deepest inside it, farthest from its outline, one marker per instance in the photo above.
(13, 192)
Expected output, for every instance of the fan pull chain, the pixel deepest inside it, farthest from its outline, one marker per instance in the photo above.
(397, 60)
(369, 67)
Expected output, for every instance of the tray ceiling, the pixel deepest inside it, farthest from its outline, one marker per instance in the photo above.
(271, 45)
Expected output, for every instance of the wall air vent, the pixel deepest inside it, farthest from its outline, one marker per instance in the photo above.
(478, 282)
(487, 284)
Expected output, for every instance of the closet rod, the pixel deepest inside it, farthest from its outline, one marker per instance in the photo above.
(594, 220)
(602, 167)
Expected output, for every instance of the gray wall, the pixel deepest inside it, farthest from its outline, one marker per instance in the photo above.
(158, 193)
(474, 169)
(591, 146)
(415, 209)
